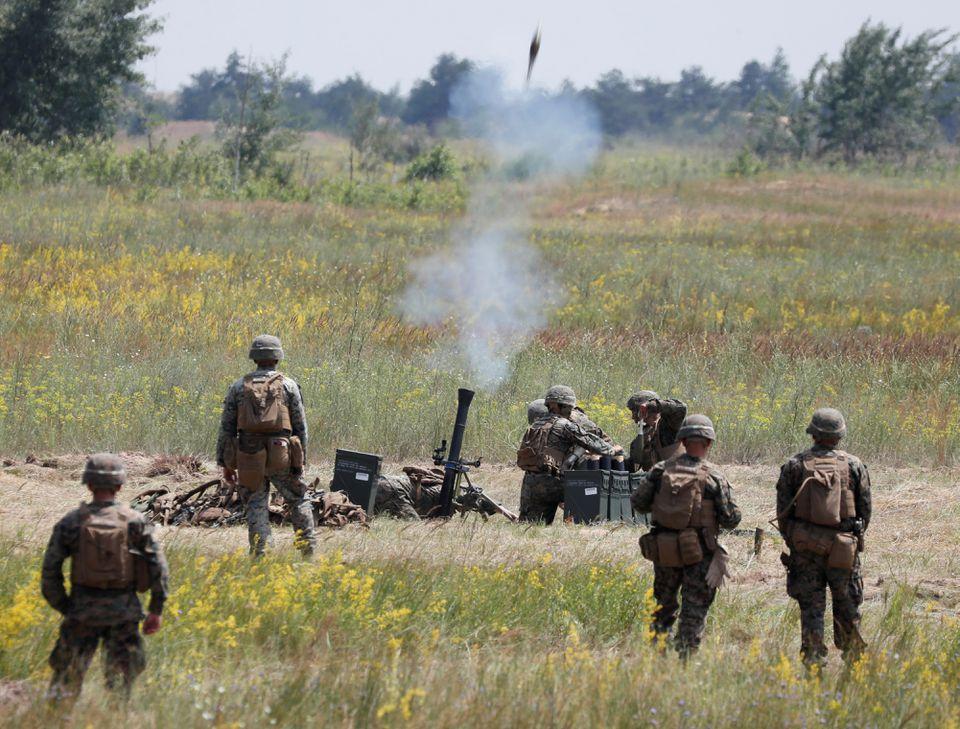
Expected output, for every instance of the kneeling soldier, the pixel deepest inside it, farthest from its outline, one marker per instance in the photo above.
(690, 500)
(548, 442)
(823, 509)
(113, 553)
(263, 440)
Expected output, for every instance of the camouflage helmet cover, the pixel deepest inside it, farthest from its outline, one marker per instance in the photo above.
(264, 347)
(827, 422)
(697, 426)
(104, 470)
(536, 410)
(639, 398)
(562, 395)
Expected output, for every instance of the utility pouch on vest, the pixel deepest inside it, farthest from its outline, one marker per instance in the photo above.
(688, 542)
(679, 495)
(843, 553)
(648, 547)
(252, 469)
(263, 404)
(278, 456)
(811, 538)
(296, 454)
(668, 550)
(230, 449)
(103, 559)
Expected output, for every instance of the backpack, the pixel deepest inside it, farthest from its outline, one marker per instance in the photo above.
(679, 499)
(825, 497)
(535, 455)
(103, 559)
(263, 404)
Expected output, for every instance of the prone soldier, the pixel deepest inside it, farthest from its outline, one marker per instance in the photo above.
(690, 501)
(659, 421)
(823, 510)
(263, 441)
(547, 443)
(113, 553)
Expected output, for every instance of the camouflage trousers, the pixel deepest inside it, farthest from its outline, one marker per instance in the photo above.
(301, 514)
(540, 495)
(689, 584)
(123, 656)
(395, 497)
(807, 580)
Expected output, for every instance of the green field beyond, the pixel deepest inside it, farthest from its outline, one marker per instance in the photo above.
(126, 315)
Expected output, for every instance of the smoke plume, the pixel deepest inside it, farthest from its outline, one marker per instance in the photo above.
(490, 287)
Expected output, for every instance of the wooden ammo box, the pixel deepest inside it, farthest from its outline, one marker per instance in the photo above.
(586, 496)
(356, 474)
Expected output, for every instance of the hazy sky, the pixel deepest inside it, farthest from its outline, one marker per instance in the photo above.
(395, 42)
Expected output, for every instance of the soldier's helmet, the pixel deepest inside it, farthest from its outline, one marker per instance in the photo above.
(266, 347)
(697, 426)
(104, 470)
(827, 423)
(639, 398)
(562, 395)
(536, 410)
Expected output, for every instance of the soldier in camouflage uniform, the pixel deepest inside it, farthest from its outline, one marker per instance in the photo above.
(542, 490)
(266, 351)
(809, 573)
(659, 421)
(101, 539)
(578, 457)
(711, 508)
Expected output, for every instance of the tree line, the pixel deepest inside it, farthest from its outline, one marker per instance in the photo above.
(67, 68)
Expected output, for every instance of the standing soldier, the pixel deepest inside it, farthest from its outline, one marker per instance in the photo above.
(659, 421)
(578, 456)
(690, 501)
(263, 440)
(823, 509)
(548, 442)
(113, 553)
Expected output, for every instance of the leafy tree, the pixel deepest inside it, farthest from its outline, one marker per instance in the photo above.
(252, 128)
(880, 96)
(758, 80)
(429, 101)
(63, 63)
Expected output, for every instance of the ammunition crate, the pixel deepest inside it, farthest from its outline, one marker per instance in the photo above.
(585, 496)
(356, 474)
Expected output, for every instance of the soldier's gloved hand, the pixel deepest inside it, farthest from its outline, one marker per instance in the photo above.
(230, 476)
(617, 450)
(152, 624)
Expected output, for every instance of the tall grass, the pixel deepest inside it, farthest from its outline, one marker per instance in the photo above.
(395, 641)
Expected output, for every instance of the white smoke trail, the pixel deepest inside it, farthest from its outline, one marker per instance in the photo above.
(491, 286)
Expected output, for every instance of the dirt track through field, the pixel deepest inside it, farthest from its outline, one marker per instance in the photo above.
(914, 538)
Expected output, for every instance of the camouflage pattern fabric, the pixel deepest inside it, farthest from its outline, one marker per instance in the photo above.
(93, 615)
(808, 575)
(540, 495)
(89, 605)
(124, 657)
(231, 405)
(567, 434)
(807, 580)
(645, 449)
(717, 488)
(293, 491)
(684, 589)
(395, 498)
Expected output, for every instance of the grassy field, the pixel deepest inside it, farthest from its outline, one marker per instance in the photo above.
(472, 623)
(754, 300)
(127, 310)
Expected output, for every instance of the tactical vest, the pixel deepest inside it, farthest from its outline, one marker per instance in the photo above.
(825, 497)
(263, 404)
(660, 452)
(679, 502)
(103, 559)
(535, 454)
